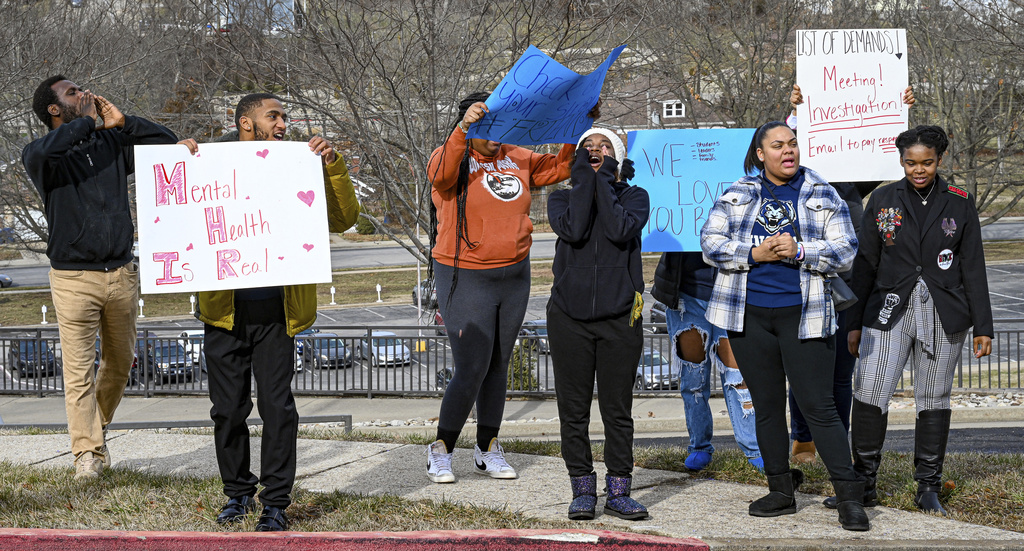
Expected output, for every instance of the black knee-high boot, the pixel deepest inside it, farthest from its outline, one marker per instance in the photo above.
(930, 436)
(867, 435)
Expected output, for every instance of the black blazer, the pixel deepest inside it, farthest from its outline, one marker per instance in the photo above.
(944, 248)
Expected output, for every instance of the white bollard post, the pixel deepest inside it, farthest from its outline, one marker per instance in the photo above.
(332, 297)
(192, 304)
(378, 293)
(141, 315)
(44, 316)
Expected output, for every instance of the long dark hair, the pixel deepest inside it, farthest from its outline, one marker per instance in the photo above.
(461, 192)
(752, 161)
(933, 137)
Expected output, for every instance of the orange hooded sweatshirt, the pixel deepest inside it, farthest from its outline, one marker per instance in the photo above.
(497, 202)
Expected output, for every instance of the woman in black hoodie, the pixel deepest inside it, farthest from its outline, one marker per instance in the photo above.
(594, 317)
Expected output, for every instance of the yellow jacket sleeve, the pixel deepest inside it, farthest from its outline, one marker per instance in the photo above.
(342, 205)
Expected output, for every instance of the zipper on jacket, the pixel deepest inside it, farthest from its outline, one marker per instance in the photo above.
(90, 160)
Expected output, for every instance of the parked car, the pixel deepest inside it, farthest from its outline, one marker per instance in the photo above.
(5, 281)
(326, 350)
(167, 361)
(300, 346)
(658, 316)
(427, 289)
(384, 349)
(192, 340)
(538, 331)
(31, 358)
(133, 373)
(654, 372)
(439, 324)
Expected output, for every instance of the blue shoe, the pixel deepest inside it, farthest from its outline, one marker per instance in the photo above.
(697, 461)
(758, 463)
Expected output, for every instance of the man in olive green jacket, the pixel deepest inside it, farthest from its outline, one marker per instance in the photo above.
(251, 333)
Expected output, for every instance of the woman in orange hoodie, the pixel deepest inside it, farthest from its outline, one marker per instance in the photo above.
(481, 190)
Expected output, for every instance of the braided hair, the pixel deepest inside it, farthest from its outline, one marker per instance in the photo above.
(461, 193)
(933, 137)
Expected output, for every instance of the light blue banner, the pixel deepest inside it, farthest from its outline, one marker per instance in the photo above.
(540, 101)
(684, 173)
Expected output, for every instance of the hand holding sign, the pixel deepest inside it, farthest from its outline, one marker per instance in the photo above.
(540, 101)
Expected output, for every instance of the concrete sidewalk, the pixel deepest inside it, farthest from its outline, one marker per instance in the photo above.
(681, 507)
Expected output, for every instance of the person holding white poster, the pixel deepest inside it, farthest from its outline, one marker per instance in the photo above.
(775, 237)
(842, 388)
(481, 265)
(921, 274)
(250, 333)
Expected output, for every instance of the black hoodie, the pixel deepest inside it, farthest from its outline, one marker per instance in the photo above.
(82, 176)
(597, 265)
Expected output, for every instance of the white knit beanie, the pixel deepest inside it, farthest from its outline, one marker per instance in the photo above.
(620, 150)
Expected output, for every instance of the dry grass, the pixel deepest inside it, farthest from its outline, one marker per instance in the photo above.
(33, 497)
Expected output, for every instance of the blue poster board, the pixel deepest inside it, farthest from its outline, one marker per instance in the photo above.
(540, 102)
(684, 173)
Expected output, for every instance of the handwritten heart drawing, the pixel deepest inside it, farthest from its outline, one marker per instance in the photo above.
(280, 258)
(189, 248)
(157, 220)
(308, 247)
(263, 154)
(247, 197)
(306, 197)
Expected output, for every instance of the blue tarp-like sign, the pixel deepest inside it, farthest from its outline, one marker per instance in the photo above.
(540, 101)
(684, 173)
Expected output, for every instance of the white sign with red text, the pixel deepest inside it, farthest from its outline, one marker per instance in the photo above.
(234, 216)
(852, 81)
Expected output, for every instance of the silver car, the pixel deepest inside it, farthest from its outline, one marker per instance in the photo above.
(654, 372)
(384, 349)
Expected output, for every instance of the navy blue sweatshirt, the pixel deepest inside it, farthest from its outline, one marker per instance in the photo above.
(82, 176)
(597, 264)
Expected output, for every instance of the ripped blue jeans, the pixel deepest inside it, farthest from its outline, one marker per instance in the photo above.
(695, 381)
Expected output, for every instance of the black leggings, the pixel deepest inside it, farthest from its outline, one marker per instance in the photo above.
(483, 320)
(769, 352)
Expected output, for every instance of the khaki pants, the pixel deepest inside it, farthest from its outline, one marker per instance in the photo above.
(90, 302)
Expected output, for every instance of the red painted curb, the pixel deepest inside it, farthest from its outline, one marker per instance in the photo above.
(462, 540)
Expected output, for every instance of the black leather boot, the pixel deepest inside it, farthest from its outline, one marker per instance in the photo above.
(867, 435)
(930, 438)
(851, 511)
(780, 500)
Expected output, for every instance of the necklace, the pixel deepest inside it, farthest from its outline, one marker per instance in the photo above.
(924, 198)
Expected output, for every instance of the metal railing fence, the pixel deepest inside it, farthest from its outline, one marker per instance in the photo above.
(406, 360)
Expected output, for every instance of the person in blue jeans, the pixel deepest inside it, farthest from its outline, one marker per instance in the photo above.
(683, 282)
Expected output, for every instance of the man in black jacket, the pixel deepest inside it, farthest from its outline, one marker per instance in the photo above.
(80, 169)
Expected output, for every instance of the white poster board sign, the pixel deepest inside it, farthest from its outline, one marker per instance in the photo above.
(852, 81)
(234, 216)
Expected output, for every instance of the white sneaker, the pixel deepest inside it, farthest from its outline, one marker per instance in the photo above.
(492, 462)
(439, 463)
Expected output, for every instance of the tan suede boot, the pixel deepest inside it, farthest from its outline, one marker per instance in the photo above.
(803, 452)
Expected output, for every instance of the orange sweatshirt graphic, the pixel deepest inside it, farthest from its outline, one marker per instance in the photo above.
(497, 203)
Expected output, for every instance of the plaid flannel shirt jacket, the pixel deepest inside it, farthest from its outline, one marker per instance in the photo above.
(829, 247)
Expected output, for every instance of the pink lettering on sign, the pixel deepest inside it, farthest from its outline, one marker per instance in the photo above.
(168, 259)
(215, 225)
(224, 260)
(167, 186)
